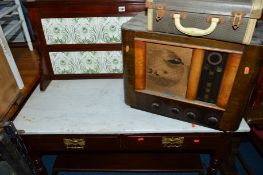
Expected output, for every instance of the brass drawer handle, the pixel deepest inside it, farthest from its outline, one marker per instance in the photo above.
(172, 142)
(74, 143)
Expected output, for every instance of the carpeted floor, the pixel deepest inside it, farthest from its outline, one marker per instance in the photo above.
(248, 151)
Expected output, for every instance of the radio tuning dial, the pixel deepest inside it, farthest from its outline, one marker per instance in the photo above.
(175, 110)
(155, 106)
(213, 121)
(214, 58)
(191, 115)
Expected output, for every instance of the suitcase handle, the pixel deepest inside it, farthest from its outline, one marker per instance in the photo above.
(195, 31)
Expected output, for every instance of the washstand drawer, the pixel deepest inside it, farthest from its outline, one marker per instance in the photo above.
(178, 141)
(72, 142)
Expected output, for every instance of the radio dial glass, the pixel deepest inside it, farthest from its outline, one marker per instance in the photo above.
(215, 58)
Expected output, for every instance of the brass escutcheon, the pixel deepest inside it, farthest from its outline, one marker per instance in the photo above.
(74, 143)
(172, 142)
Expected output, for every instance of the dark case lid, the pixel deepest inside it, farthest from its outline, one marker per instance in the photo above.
(251, 8)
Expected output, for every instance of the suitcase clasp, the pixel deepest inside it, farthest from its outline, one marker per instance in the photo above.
(237, 19)
(160, 11)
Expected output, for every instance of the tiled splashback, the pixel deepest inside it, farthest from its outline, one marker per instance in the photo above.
(83, 30)
(94, 62)
(90, 30)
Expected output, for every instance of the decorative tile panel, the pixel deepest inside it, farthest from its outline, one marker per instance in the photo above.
(92, 62)
(87, 30)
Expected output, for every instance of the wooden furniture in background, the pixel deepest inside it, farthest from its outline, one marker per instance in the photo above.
(9, 90)
(255, 108)
(14, 158)
(254, 117)
(12, 20)
(28, 67)
(10, 25)
(255, 113)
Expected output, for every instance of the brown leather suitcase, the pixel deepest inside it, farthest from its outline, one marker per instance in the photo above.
(233, 20)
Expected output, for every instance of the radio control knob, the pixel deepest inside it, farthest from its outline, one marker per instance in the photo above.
(213, 121)
(155, 106)
(191, 115)
(175, 110)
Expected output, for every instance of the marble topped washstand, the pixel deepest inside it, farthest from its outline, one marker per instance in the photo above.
(94, 107)
(90, 115)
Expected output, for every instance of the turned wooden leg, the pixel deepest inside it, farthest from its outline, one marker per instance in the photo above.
(228, 167)
(41, 170)
(220, 154)
(213, 167)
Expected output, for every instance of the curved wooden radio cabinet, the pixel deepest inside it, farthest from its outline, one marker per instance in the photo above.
(207, 82)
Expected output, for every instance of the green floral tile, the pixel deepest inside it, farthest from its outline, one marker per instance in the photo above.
(93, 62)
(83, 30)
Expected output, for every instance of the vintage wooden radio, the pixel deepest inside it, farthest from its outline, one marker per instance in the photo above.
(191, 79)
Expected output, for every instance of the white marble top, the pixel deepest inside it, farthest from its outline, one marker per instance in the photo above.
(94, 106)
